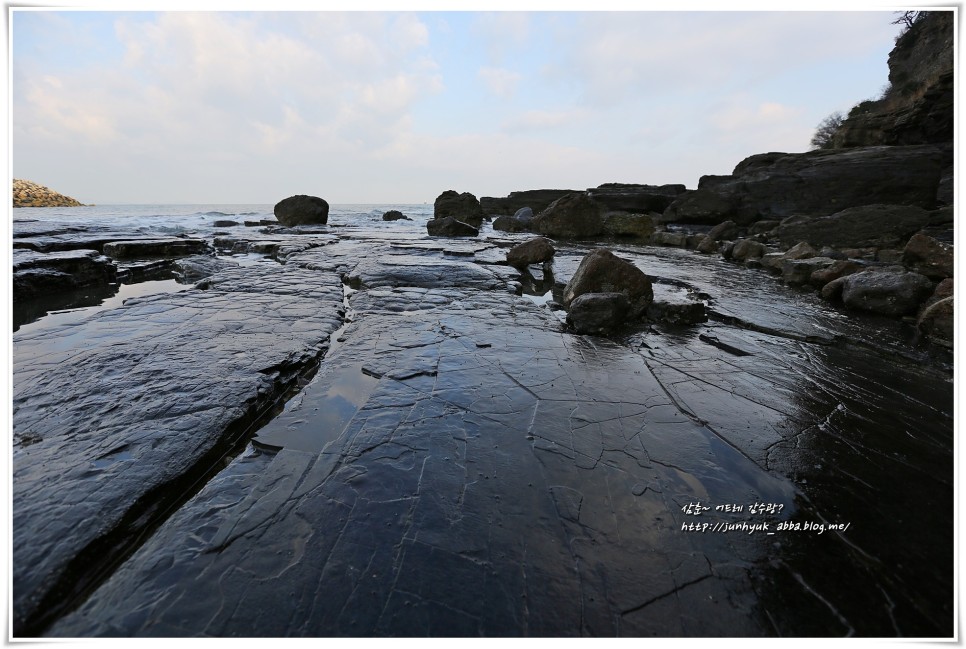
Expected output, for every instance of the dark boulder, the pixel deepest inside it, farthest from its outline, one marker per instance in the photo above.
(833, 289)
(507, 223)
(797, 272)
(880, 226)
(886, 293)
(463, 207)
(519, 222)
(534, 251)
(927, 256)
(450, 227)
(746, 249)
(800, 250)
(395, 215)
(601, 271)
(302, 210)
(937, 323)
(573, 216)
(597, 313)
(225, 223)
(524, 215)
(936, 316)
(724, 230)
(838, 268)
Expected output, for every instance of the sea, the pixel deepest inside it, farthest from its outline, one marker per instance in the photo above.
(174, 220)
(199, 219)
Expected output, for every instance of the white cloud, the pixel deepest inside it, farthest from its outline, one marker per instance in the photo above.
(499, 81)
(217, 87)
(616, 55)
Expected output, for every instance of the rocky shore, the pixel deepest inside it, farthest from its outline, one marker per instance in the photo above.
(29, 194)
(631, 410)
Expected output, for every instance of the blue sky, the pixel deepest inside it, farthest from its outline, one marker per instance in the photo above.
(380, 106)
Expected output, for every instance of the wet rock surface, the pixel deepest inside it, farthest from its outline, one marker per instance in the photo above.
(37, 274)
(115, 415)
(463, 465)
(154, 248)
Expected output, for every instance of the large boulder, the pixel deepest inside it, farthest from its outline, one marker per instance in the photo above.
(724, 230)
(797, 272)
(302, 210)
(450, 227)
(927, 256)
(601, 271)
(936, 315)
(746, 249)
(535, 251)
(886, 293)
(882, 226)
(524, 215)
(838, 268)
(463, 207)
(395, 215)
(507, 223)
(597, 313)
(573, 216)
(519, 222)
(936, 322)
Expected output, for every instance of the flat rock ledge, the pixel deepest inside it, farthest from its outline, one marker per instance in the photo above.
(161, 386)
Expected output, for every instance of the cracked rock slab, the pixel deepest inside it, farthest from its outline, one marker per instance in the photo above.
(111, 413)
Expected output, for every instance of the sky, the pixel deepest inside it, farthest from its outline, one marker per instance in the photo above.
(399, 106)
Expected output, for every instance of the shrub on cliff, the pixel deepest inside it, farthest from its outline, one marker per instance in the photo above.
(826, 130)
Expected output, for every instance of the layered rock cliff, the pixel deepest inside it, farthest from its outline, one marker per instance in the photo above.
(918, 106)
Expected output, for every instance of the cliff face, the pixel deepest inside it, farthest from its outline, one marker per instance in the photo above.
(30, 194)
(918, 107)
